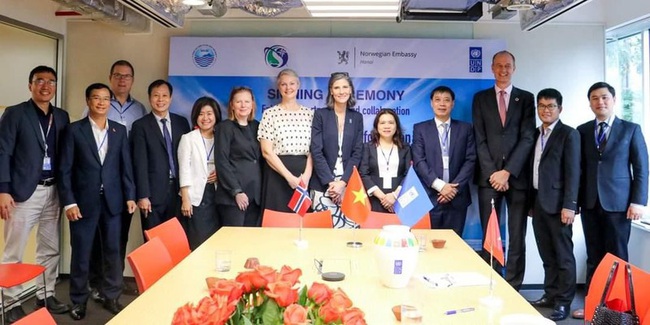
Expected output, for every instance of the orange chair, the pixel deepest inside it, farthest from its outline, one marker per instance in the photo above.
(173, 237)
(424, 223)
(13, 274)
(640, 278)
(39, 317)
(276, 219)
(149, 263)
(376, 220)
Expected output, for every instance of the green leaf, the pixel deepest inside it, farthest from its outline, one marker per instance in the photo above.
(271, 313)
(302, 296)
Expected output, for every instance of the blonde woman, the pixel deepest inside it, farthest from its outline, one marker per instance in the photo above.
(285, 136)
(197, 174)
(239, 163)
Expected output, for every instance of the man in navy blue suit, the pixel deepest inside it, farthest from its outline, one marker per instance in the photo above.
(29, 137)
(614, 181)
(96, 184)
(155, 138)
(443, 158)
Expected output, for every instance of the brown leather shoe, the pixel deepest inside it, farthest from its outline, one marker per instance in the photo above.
(578, 313)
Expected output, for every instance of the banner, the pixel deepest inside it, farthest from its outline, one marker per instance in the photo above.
(387, 73)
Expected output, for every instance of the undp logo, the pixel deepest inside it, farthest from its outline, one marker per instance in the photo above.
(276, 56)
(475, 59)
(204, 56)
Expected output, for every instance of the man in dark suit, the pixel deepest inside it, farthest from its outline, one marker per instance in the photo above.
(555, 181)
(444, 154)
(504, 127)
(29, 137)
(96, 183)
(155, 138)
(614, 181)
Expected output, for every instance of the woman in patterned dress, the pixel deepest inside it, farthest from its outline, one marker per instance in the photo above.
(285, 135)
(336, 147)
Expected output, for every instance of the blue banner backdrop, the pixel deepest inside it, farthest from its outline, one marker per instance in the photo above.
(387, 73)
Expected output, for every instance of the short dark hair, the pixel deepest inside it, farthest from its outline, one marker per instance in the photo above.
(601, 84)
(202, 102)
(41, 69)
(503, 52)
(336, 76)
(159, 83)
(397, 137)
(550, 93)
(235, 91)
(443, 89)
(95, 86)
(122, 63)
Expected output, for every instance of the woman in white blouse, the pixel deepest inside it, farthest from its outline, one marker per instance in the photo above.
(285, 135)
(385, 161)
(197, 173)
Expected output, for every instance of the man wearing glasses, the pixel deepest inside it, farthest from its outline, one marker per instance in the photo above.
(125, 110)
(29, 137)
(554, 195)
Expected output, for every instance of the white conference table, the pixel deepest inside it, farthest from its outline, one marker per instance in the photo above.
(275, 247)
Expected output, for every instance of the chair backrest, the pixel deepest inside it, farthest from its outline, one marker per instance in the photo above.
(38, 317)
(424, 223)
(173, 237)
(321, 219)
(149, 263)
(640, 278)
(376, 220)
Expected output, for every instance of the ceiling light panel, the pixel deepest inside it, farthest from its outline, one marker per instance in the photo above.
(353, 8)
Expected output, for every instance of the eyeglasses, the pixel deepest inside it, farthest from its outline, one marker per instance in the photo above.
(549, 107)
(122, 76)
(338, 74)
(41, 82)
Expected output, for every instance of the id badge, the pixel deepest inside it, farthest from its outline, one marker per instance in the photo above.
(387, 182)
(445, 162)
(47, 163)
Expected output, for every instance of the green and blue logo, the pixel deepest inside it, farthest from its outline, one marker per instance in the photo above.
(276, 56)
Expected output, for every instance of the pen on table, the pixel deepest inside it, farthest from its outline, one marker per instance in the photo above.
(458, 311)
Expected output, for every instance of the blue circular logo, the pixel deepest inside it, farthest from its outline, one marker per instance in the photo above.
(276, 56)
(204, 56)
(475, 53)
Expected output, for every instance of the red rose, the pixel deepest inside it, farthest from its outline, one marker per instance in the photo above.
(319, 293)
(295, 315)
(340, 301)
(282, 293)
(353, 316)
(228, 288)
(328, 314)
(268, 273)
(184, 315)
(290, 275)
(251, 280)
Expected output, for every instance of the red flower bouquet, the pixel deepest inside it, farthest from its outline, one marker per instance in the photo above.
(266, 296)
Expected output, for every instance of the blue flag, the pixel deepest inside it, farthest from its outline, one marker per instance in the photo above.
(413, 202)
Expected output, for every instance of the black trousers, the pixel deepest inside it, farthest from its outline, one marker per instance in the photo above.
(605, 232)
(82, 234)
(204, 221)
(517, 219)
(96, 266)
(161, 212)
(555, 246)
(446, 216)
(231, 215)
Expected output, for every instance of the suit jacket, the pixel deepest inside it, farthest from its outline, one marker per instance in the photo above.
(22, 148)
(369, 170)
(150, 162)
(619, 176)
(325, 146)
(193, 165)
(238, 161)
(82, 175)
(559, 170)
(427, 158)
(504, 147)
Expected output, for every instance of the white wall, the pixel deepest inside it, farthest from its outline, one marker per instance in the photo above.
(39, 13)
(624, 11)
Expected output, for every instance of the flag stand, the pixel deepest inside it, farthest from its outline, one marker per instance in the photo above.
(491, 301)
(354, 243)
(301, 243)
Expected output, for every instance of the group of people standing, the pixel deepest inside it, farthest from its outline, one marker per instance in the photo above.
(213, 171)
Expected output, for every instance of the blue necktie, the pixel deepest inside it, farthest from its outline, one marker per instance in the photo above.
(601, 140)
(168, 146)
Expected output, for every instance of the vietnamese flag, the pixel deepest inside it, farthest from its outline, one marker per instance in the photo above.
(492, 241)
(355, 205)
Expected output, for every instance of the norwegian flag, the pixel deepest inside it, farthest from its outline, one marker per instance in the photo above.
(300, 201)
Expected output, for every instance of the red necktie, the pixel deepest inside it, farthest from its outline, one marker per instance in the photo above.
(502, 107)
